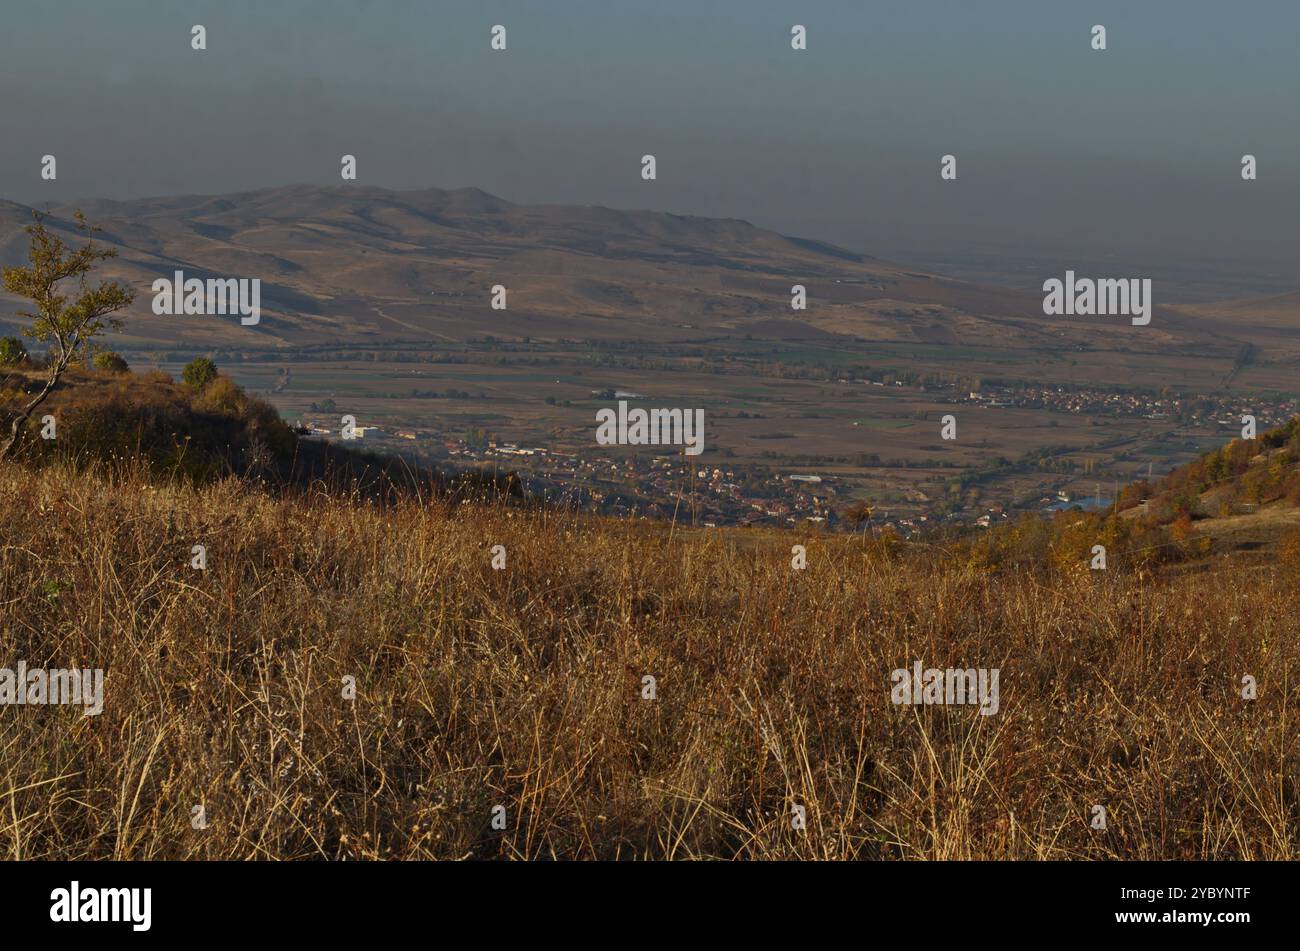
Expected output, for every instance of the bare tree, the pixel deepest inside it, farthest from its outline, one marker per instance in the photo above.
(69, 324)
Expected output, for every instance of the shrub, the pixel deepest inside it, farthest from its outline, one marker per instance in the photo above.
(222, 395)
(199, 372)
(12, 351)
(111, 362)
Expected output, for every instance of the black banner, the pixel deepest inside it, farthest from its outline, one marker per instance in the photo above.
(337, 900)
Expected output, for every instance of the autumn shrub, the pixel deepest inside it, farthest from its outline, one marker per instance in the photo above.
(110, 362)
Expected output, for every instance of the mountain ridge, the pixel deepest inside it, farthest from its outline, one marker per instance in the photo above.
(364, 266)
(376, 261)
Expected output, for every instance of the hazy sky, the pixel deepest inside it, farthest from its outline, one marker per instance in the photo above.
(1065, 155)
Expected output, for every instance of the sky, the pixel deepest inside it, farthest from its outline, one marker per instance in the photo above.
(1126, 160)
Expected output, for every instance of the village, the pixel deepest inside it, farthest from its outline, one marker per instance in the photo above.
(1268, 411)
(657, 482)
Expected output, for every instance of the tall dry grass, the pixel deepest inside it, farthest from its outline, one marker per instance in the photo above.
(522, 688)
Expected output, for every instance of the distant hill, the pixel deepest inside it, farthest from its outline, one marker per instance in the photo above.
(1279, 313)
(362, 265)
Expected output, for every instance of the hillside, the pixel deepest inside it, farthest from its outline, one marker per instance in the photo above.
(362, 265)
(169, 430)
(1242, 498)
(522, 686)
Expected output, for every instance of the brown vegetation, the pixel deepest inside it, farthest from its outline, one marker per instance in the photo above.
(1244, 472)
(199, 433)
(522, 687)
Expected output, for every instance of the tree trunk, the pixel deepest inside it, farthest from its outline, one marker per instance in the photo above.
(16, 427)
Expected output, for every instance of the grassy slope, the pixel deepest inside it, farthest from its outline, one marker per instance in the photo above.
(200, 435)
(522, 688)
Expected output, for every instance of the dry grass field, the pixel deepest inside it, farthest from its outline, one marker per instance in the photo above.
(523, 688)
